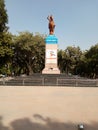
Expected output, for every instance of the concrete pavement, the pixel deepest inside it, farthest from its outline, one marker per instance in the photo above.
(43, 105)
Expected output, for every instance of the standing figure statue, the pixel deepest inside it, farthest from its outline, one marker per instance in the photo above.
(51, 25)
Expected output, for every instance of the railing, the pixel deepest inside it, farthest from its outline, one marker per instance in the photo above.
(77, 82)
(49, 81)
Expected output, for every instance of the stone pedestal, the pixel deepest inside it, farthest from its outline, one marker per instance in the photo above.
(51, 59)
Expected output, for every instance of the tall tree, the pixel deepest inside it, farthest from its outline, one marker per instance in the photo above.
(5, 38)
(92, 61)
(69, 59)
(3, 17)
(28, 53)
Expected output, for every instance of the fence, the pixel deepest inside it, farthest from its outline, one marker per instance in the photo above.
(49, 81)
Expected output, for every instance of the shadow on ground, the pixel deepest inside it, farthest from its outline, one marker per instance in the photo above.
(48, 124)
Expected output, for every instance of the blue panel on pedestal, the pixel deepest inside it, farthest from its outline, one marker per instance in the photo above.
(51, 39)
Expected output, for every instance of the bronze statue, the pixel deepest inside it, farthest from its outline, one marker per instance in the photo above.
(51, 25)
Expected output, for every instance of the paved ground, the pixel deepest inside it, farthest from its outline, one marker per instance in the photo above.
(47, 108)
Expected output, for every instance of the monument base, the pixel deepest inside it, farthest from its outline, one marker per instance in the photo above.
(51, 71)
(51, 59)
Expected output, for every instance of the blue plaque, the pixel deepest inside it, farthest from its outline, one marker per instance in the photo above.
(51, 39)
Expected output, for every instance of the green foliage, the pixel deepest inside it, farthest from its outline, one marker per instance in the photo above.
(6, 45)
(28, 53)
(6, 51)
(68, 59)
(92, 61)
(3, 17)
(25, 54)
(73, 60)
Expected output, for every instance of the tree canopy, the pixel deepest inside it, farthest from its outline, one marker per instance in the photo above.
(3, 17)
(29, 51)
(5, 39)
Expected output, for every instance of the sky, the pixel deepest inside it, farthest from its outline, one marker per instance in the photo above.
(76, 20)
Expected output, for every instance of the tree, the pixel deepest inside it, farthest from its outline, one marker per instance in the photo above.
(92, 61)
(82, 65)
(69, 59)
(5, 40)
(3, 17)
(6, 53)
(28, 53)
(61, 60)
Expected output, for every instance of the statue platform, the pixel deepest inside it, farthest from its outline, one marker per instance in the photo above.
(51, 59)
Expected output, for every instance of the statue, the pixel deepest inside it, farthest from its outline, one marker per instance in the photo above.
(51, 25)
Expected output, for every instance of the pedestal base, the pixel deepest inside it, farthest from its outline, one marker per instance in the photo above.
(51, 71)
(51, 59)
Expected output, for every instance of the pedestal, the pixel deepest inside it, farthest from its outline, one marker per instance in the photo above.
(51, 59)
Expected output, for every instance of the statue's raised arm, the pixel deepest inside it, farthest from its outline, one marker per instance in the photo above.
(51, 25)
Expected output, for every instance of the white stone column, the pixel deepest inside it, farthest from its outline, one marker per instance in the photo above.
(51, 59)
